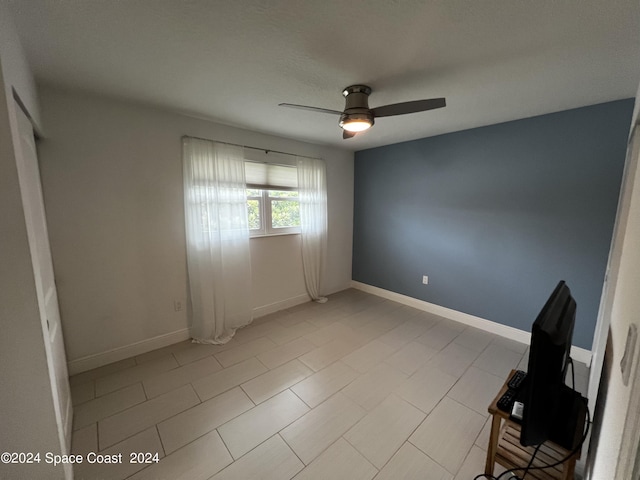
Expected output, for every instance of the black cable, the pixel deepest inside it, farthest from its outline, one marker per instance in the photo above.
(526, 470)
(559, 462)
(484, 475)
(567, 457)
(491, 477)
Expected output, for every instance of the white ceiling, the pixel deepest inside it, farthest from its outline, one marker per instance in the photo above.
(234, 61)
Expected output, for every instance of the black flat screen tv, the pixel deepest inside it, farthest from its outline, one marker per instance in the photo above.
(551, 409)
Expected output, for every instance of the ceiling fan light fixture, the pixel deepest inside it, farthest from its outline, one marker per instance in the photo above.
(357, 126)
(358, 117)
(356, 122)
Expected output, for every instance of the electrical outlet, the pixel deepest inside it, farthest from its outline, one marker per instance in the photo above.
(177, 305)
(425, 280)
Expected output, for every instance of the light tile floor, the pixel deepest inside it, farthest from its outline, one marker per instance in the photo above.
(357, 388)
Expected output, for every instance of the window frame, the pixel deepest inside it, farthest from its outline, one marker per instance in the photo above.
(265, 211)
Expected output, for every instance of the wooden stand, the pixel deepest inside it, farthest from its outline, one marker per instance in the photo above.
(505, 449)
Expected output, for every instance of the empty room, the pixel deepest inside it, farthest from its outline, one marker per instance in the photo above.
(319, 240)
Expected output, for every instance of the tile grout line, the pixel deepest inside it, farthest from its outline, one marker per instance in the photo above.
(164, 450)
(378, 470)
(106, 374)
(380, 322)
(144, 390)
(204, 434)
(293, 451)
(432, 459)
(249, 396)
(310, 407)
(405, 441)
(137, 405)
(98, 436)
(116, 412)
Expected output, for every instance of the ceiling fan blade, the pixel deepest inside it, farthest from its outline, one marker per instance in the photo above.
(347, 134)
(313, 109)
(408, 107)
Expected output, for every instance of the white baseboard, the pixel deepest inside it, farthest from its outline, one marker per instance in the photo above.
(281, 305)
(104, 358)
(100, 359)
(581, 355)
(577, 353)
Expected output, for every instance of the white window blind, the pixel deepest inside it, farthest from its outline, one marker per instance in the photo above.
(269, 175)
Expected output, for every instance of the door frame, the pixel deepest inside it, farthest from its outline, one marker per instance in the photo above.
(63, 413)
(613, 267)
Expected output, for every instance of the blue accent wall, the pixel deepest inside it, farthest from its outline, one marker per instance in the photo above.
(496, 215)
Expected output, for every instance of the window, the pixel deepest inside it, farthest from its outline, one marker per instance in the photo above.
(273, 206)
(273, 212)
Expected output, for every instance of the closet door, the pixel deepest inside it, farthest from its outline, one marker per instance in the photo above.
(31, 192)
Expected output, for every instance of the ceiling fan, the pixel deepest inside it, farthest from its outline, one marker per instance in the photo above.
(358, 117)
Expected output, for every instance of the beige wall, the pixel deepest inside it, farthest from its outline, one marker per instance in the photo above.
(16, 71)
(276, 270)
(613, 409)
(27, 417)
(112, 180)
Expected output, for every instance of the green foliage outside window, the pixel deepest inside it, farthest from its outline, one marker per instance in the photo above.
(281, 205)
(285, 213)
(253, 211)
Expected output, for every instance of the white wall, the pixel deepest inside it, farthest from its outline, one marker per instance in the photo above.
(16, 71)
(112, 180)
(612, 412)
(27, 417)
(276, 271)
(276, 258)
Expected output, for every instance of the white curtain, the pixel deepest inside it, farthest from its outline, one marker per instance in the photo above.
(217, 234)
(312, 191)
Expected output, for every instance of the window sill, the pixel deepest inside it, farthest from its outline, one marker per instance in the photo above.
(279, 234)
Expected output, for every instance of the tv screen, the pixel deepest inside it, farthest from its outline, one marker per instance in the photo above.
(550, 407)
